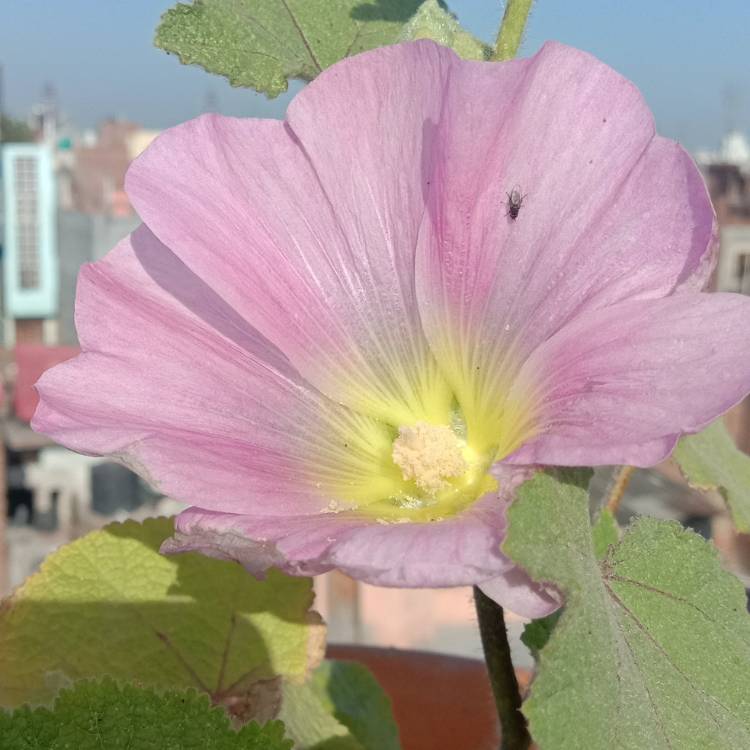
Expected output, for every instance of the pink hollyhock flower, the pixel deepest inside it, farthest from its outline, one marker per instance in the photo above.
(334, 336)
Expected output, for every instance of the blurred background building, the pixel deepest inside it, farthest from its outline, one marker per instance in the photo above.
(727, 174)
(62, 204)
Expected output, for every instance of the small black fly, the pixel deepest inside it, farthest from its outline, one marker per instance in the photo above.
(515, 201)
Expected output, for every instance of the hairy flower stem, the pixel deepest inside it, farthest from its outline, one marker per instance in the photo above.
(511, 29)
(617, 488)
(515, 735)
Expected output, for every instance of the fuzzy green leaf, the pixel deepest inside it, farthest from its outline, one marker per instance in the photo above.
(537, 632)
(710, 461)
(606, 532)
(110, 604)
(434, 21)
(653, 647)
(262, 44)
(342, 708)
(95, 715)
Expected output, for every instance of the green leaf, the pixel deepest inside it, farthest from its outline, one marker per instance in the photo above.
(653, 647)
(262, 44)
(434, 21)
(606, 532)
(537, 632)
(711, 461)
(352, 694)
(95, 715)
(342, 708)
(110, 604)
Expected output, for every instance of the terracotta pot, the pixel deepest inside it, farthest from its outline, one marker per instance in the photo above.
(440, 702)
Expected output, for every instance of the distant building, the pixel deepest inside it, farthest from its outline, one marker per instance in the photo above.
(97, 172)
(60, 207)
(730, 192)
(43, 247)
(30, 258)
(62, 204)
(733, 151)
(727, 174)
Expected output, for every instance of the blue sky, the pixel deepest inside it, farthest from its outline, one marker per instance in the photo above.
(688, 57)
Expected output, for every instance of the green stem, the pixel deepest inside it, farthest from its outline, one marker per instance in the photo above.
(515, 735)
(511, 29)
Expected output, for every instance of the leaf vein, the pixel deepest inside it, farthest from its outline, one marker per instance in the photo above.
(308, 47)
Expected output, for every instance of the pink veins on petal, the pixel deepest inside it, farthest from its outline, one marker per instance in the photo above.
(333, 339)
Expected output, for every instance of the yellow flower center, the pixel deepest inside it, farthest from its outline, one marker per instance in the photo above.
(431, 460)
(428, 454)
(434, 474)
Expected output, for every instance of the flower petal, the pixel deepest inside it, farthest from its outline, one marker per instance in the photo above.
(308, 228)
(177, 384)
(610, 212)
(459, 551)
(298, 545)
(619, 385)
(455, 552)
(517, 592)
